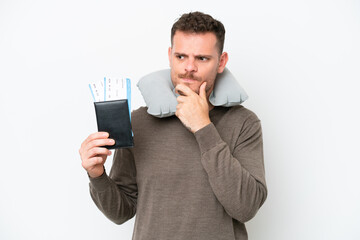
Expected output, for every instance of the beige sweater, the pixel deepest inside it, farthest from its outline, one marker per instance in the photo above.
(186, 186)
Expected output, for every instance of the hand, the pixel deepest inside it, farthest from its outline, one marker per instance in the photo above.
(92, 155)
(192, 109)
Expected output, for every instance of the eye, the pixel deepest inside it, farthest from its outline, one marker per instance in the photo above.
(203, 59)
(180, 57)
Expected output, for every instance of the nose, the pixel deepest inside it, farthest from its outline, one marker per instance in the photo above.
(190, 65)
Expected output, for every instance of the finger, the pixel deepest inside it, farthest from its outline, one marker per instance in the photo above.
(99, 143)
(183, 90)
(93, 136)
(202, 92)
(179, 105)
(95, 143)
(91, 162)
(177, 113)
(181, 99)
(96, 151)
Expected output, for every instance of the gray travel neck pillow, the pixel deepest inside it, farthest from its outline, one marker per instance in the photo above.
(159, 94)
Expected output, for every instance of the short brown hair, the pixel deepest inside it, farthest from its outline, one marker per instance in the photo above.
(198, 22)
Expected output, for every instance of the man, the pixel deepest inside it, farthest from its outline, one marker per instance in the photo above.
(197, 175)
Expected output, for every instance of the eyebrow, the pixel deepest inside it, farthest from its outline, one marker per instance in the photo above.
(196, 56)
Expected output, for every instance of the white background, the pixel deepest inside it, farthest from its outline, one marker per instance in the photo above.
(298, 61)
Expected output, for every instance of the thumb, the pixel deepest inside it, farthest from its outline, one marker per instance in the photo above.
(202, 91)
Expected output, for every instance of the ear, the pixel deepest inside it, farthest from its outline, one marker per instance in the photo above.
(222, 63)
(169, 54)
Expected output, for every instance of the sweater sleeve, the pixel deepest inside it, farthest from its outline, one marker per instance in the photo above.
(116, 195)
(237, 177)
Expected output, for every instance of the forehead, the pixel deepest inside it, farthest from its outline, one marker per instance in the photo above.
(196, 43)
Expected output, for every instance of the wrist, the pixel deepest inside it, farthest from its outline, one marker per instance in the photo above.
(96, 174)
(201, 126)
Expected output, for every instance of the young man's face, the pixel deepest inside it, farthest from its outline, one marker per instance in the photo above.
(194, 59)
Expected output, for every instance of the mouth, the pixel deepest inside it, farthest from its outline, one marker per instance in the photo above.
(188, 80)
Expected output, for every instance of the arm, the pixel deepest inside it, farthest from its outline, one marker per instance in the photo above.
(116, 195)
(237, 178)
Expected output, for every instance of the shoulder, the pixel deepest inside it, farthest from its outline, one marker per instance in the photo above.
(140, 118)
(241, 114)
(236, 124)
(141, 111)
(245, 123)
(240, 120)
(139, 115)
(235, 120)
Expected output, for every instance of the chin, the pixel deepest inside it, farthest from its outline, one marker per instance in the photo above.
(195, 89)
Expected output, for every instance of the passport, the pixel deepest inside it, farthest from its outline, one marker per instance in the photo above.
(112, 102)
